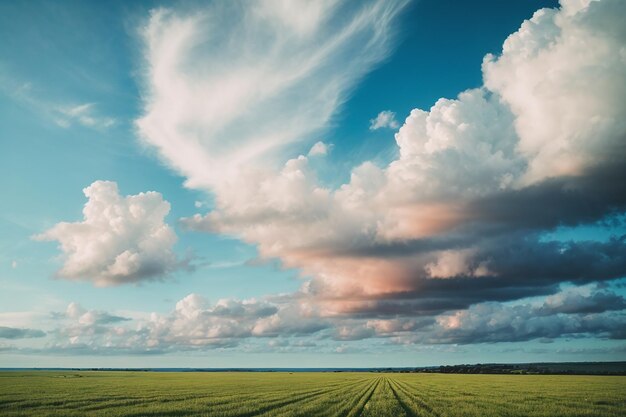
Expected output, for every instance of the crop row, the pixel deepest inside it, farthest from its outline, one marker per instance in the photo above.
(130, 394)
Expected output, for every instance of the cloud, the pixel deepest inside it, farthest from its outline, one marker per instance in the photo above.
(83, 114)
(320, 148)
(14, 264)
(62, 114)
(295, 325)
(559, 75)
(458, 219)
(194, 324)
(451, 264)
(466, 200)
(492, 323)
(122, 239)
(76, 312)
(229, 87)
(583, 300)
(385, 119)
(446, 244)
(19, 333)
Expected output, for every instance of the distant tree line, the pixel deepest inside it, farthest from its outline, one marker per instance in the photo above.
(574, 368)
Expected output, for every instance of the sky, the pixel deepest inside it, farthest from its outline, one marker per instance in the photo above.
(312, 184)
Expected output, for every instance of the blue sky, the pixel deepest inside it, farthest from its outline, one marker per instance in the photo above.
(449, 234)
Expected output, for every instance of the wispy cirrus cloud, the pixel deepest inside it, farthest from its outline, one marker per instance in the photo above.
(83, 114)
(60, 112)
(230, 86)
(320, 149)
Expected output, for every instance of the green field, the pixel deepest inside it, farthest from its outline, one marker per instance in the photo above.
(39, 393)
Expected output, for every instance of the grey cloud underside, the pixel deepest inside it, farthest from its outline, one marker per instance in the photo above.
(524, 328)
(596, 196)
(572, 303)
(19, 333)
(567, 314)
(505, 231)
(598, 193)
(519, 267)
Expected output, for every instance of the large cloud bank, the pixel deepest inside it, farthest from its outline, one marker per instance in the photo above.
(438, 238)
(268, 325)
(122, 239)
(458, 217)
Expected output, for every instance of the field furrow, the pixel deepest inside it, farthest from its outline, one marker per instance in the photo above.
(407, 405)
(282, 394)
(310, 403)
(383, 402)
(357, 409)
(416, 402)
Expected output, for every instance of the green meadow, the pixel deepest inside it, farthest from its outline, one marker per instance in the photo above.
(51, 393)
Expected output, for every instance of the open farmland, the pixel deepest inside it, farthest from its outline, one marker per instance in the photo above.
(50, 393)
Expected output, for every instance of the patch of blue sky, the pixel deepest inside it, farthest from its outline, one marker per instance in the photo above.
(49, 154)
(613, 227)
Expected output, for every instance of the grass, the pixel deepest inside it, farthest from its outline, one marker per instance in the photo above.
(51, 393)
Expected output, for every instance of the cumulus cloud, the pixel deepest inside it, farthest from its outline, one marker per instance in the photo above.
(493, 322)
(122, 239)
(559, 75)
(385, 118)
(451, 264)
(194, 323)
(583, 300)
(458, 218)
(82, 316)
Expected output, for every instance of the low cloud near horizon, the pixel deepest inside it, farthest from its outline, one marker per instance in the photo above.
(196, 324)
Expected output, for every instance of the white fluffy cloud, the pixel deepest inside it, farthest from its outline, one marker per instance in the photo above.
(560, 75)
(194, 323)
(385, 118)
(122, 239)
